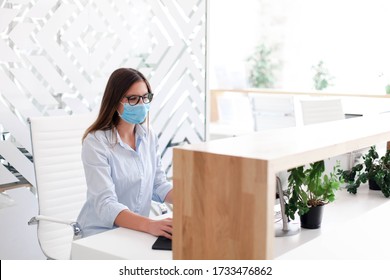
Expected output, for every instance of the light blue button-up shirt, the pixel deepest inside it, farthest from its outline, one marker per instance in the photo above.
(120, 178)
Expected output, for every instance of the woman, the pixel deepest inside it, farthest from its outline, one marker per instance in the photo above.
(121, 161)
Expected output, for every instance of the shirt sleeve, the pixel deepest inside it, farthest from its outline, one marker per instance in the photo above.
(161, 185)
(101, 189)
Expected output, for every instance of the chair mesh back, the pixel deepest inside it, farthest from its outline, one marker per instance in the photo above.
(272, 111)
(60, 178)
(321, 110)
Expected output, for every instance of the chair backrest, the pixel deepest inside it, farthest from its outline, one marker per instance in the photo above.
(233, 108)
(60, 179)
(272, 111)
(321, 110)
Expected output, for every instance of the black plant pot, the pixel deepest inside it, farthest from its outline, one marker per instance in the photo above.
(313, 218)
(372, 185)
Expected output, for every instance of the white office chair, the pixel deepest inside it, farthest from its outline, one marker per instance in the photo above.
(60, 180)
(321, 110)
(272, 111)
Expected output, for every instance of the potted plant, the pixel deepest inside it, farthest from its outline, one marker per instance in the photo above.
(375, 170)
(263, 66)
(308, 190)
(387, 89)
(322, 78)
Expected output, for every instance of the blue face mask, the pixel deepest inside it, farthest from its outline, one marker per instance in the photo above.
(134, 114)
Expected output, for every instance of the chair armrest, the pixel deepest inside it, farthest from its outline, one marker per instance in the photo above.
(76, 227)
(163, 208)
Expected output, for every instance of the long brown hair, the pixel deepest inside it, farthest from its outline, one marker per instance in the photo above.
(118, 84)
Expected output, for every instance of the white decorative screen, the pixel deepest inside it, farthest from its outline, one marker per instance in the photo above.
(56, 57)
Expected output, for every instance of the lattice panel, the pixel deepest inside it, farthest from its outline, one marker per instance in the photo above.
(56, 57)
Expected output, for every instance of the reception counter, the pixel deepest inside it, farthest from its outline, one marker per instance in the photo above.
(225, 189)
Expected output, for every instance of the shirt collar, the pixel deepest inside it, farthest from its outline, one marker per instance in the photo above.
(140, 134)
(140, 130)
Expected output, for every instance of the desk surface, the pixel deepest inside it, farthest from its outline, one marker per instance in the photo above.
(349, 223)
(362, 238)
(295, 146)
(119, 243)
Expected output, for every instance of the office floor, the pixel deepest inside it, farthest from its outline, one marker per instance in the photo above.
(18, 241)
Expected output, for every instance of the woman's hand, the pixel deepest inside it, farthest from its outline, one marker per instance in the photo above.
(128, 219)
(161, 227)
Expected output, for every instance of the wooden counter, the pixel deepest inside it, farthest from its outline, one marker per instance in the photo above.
(225, 189)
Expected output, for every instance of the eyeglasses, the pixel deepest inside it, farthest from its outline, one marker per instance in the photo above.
(134, 99)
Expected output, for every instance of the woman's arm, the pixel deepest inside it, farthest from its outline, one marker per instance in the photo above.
(103, 206)
(130, 220)
(169, 197)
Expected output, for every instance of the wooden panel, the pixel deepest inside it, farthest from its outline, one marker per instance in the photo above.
(221, 207)
(214, 114)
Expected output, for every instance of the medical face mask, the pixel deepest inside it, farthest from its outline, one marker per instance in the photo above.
(134, 114)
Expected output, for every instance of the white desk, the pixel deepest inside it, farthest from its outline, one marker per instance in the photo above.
(119, 243)
(353, 227)
(361, 238)
(365, 106)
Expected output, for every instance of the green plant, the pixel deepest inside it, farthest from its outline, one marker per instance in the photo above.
(387, 89)
(322, 78)
(373, 168)
(262, 67)
(310, 187)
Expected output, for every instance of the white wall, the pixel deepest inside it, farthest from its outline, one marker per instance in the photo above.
(350, 36)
